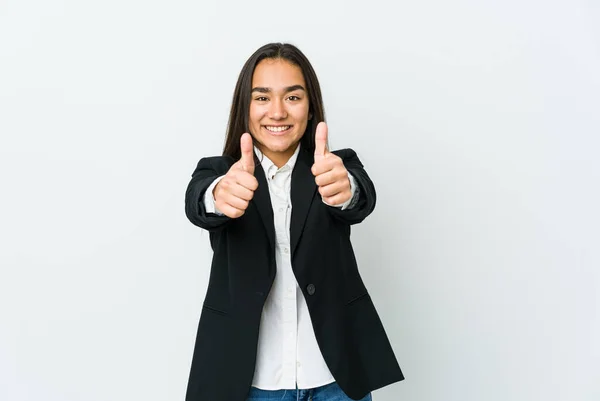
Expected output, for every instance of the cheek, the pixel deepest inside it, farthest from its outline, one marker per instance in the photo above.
(302, 114)
(255, 115)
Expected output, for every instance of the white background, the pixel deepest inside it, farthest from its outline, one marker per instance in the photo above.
(478, 121)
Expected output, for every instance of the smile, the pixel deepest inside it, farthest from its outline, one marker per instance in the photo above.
(279, 128)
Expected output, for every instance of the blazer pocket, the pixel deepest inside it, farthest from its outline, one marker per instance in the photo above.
(354, 288)
(214, 310)
(355, 299)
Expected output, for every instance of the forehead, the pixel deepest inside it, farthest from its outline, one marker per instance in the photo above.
(276, 74)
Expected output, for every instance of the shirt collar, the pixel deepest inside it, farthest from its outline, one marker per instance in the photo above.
(267, 164)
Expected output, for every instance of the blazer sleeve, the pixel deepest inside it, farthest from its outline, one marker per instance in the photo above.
(208, 169)
(367, 196)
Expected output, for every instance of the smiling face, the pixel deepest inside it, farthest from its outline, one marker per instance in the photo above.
(279, 109)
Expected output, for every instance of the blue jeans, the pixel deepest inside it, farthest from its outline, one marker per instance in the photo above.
(328, 392)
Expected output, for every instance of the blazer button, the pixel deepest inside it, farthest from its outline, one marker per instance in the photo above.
(311, 289)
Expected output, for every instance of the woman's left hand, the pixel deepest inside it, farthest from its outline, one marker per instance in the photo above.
(330, 173)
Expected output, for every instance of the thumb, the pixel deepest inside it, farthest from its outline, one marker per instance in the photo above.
(321, 141)
(247, 160)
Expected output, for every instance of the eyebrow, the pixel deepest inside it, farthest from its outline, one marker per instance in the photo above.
(286, 90)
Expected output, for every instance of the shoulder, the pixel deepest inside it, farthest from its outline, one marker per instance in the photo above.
(346, 153)
(348, 156)
(218, 164)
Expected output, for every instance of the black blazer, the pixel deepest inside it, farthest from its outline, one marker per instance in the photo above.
(348, 330)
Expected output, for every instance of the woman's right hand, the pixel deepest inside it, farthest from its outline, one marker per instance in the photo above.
(235, 190)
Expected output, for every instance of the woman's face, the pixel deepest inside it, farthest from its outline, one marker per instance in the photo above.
(278, 109)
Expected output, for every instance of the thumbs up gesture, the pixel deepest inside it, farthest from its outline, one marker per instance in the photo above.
(330, 174)
(235, 190)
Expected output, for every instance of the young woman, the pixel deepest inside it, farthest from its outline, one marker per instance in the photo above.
(286, 315)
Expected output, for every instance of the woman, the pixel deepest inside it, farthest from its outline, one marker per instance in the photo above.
(286, 314)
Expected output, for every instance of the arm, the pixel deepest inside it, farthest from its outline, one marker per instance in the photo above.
(207, 171)
(365, 204)
(354, 195)
(209, 198)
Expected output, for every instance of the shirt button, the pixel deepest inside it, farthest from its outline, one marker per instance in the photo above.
(285, 250)
(310, 289)
(299, 364)
(280, 210)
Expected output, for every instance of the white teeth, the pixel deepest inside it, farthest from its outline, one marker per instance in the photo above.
(277, 129)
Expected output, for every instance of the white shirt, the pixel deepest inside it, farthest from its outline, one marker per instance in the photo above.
(288, 354)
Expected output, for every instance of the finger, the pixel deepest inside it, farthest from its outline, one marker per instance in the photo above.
(230, 211)
(321, 140)
(230, 186)
(247, 159)
(247, 180)
(326, 178)
(325, 164)
(334, 189)
(337, 200)
(328, 163)
(235, 202)
(239, 191)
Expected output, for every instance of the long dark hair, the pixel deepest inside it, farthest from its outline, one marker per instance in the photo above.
(240, 106)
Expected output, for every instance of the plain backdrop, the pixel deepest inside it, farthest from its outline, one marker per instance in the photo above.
(478, 121)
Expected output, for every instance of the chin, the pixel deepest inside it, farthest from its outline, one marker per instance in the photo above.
(280, 149)
(279, 145)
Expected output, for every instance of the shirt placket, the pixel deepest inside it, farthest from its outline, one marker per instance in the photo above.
(289, 316)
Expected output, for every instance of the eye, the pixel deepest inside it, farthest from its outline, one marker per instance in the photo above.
(261, 99)
(293, 98)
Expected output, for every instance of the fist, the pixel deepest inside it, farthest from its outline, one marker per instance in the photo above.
(236, 189)
(330, 174)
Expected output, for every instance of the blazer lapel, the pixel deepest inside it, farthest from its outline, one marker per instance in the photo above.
(262, 200)
(302, 194)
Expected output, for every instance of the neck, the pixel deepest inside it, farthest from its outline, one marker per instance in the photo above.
(278, 158)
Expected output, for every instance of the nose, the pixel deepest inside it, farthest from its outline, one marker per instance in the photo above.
(277, 109)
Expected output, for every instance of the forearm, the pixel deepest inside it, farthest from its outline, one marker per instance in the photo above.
(365, 204)
(195, 208)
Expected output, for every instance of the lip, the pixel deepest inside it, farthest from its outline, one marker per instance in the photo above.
(278, 133)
